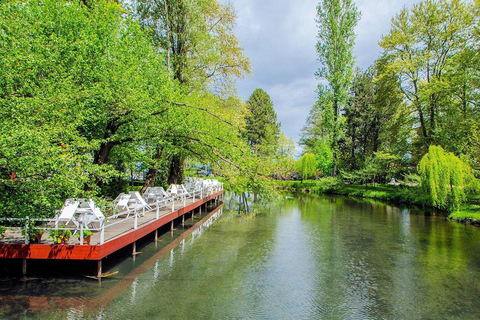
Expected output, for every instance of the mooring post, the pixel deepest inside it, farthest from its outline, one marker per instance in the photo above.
(156, 237)
(183, 220)
(171, 227)
(99, 268)
(24, 267)
(134, 249)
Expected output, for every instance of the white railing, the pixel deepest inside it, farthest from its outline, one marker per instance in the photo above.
(102, 223)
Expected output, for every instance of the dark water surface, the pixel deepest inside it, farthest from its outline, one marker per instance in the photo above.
(308, 258)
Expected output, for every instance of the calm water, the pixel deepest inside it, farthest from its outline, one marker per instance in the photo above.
(308, 258)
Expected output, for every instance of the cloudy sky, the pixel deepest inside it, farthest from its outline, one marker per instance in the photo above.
(279, 37)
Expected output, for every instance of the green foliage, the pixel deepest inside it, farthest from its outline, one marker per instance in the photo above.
(323, 157)
(85, 96)
(261, 126)
(322, 185)
(60, 235)
(381, 166)
(2, 232)
(86, 233)
(429, 48)
(445, 177)
(49, 66)
(307, 165)
(336, 38)
(198, 41)
(284, 158)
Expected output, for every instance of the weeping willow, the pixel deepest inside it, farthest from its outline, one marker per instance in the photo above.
(307, 165)
(445, 178)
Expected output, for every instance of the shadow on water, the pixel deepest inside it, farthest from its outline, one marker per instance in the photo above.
(60, 285)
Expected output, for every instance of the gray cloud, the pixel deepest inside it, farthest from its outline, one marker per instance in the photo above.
(279, 37)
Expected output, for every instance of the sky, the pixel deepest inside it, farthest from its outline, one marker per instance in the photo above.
(279, 37)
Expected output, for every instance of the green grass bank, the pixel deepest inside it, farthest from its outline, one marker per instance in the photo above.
(469, 214)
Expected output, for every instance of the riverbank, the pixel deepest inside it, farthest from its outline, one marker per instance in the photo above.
(470, 213)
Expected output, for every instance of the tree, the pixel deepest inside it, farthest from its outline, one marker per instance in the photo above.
(284, 158)
(445, 178)
(55, 60)
(318, 123)
(323, 157)
(423, 45)
(201, 51)
(197, 38)
(362, 125)
(336, 21)
(261, 126)
(395, 121)
(307, 166)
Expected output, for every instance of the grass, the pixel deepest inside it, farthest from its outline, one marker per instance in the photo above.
(470, 213)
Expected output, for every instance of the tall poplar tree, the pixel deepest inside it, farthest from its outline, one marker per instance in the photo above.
(336, 21)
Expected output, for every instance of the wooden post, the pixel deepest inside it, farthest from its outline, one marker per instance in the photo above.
(99, 268)
(156, 237)
(171, 228)
(24, 267)
(134, 250)
(183, 221)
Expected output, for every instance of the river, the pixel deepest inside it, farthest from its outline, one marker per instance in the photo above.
(306, 258)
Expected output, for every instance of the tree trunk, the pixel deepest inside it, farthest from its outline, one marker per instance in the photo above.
(149, 179)
(376, 134)
(334, 172)
(101, 157)
(153, 171)
(176, 170)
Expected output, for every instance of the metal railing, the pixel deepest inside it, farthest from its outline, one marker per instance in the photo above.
(102, 223)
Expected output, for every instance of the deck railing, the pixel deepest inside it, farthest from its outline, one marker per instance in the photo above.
(102, 223)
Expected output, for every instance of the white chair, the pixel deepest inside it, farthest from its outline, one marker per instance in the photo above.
(172, 191)
(157, 196)
(67, 213)
(137, 202)
(89, 213)
(121, 202)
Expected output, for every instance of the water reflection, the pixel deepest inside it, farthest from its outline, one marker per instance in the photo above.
(311, 258)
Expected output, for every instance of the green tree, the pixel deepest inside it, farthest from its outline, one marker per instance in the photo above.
(284, 158)
(336, 21)
(53, 64)
(261, 126)
(201, 52)
(307, 166)
(445, 178)
(323, 157)
(423, 45)
(362, 125)
(395, 121)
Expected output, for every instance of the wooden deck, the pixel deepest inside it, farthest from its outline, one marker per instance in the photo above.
(118, 233)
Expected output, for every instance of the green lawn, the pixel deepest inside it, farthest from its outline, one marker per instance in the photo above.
(470, 213)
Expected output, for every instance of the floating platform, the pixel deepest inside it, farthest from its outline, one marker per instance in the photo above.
(117, 234)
